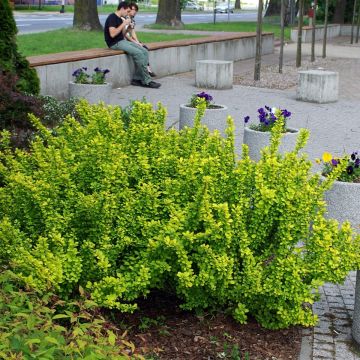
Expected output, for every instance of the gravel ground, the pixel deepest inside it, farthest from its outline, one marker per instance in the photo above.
(272, 79)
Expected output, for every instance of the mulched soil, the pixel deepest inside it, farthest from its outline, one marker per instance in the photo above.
(161, 330)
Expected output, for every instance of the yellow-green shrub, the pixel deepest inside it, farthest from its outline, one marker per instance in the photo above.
(120, 206)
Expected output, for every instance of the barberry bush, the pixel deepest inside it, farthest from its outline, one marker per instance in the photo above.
(120, 206)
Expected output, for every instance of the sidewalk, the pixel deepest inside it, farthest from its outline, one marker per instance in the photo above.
(334, 127)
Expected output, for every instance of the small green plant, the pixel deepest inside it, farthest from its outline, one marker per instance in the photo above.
(146, 322)
(350, 166)
(45, 327)
(55, 111)
(232, 352)
(97, 78)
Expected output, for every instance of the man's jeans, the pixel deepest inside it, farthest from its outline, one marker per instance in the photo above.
(140, 57)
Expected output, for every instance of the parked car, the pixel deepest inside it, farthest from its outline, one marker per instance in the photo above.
(192, 5)
(223, 8)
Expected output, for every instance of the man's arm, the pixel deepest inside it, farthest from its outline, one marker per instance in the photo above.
(133, 34)
(114, 31)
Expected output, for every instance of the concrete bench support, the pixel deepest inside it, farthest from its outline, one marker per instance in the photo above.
(318, 86)
(214, 74)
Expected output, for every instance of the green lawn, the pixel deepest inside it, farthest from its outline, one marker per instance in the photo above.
(241, 26)
(69, 40)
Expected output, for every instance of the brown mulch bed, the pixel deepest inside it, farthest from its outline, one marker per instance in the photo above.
(161, 330)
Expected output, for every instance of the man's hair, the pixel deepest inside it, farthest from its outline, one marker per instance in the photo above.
(134, 6)
(123, 5)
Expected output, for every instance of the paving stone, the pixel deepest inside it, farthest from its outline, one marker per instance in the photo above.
(343, 351)
(340, 314)
(324, 338)
(336, 305)
(324, 346)
(323, 354)
(337, 298)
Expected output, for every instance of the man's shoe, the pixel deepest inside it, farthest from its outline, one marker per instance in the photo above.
(152, 85)
(152, 74)
(135, 82)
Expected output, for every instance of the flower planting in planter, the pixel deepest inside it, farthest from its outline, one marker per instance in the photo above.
(214, 116)
(93, 88)
(257, 136)
(344, 196)
(343, 205)
(121, 207)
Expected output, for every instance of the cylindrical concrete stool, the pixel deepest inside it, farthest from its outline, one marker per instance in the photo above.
(214, 74)
(318, 86)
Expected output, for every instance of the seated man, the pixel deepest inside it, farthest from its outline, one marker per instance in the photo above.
(115, 26)
(130, 33)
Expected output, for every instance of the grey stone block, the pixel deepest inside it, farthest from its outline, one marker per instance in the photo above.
(214, 74)
(318, 86)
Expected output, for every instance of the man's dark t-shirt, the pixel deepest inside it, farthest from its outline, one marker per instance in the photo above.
(112, 21)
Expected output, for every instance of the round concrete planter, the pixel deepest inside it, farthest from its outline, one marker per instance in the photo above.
(214, 119)
(256, 140)
(343, 204)
(92, 93)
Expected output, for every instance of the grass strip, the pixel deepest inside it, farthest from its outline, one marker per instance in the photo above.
(233, 26)
(70, 40)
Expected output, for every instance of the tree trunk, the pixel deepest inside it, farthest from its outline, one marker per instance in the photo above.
(313, 33)
(291, 13)
(237, 4)
(169, 13)
(86, 15)
(339, 13)
(282, 25)
(258, 42)
(358, 25)
(299, 40)
(274, 8)
(353, 23)
(325, 28)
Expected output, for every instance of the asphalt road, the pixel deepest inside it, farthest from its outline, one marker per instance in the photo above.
(40, 22)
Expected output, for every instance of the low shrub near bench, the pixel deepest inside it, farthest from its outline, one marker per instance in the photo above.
(120, 206)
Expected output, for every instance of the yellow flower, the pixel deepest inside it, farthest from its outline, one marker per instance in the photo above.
(326, 157)
(318, 161)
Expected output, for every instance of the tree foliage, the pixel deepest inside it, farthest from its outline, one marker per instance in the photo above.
(11, 61)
